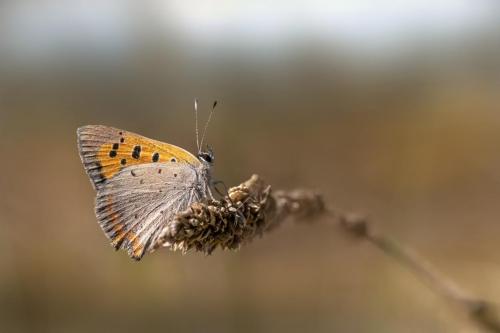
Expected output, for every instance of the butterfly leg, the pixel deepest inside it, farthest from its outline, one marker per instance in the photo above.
(210, 194)
(219, 192)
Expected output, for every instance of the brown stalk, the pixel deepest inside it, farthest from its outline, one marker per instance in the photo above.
(251, 209)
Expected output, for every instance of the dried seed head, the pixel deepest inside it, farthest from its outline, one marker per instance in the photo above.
(247, 211)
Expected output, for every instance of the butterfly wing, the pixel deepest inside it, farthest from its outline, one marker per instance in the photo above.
(134, 205)
(106, 150)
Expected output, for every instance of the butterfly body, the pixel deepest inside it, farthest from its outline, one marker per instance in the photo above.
(141, 184)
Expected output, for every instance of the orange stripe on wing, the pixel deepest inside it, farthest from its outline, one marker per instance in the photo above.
(113, 227)
(135, 247)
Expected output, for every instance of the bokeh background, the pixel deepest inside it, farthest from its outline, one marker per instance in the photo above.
(390, 108)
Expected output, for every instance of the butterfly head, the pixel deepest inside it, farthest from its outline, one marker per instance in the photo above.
(207, 156)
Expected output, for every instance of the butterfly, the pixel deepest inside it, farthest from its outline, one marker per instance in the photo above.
(141, 183)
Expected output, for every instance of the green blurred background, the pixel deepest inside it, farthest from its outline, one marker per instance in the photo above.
(388, 108)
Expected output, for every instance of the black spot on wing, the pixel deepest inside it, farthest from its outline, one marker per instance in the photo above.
(137, 152)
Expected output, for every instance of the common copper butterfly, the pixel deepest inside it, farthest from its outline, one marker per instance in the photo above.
(141, 183)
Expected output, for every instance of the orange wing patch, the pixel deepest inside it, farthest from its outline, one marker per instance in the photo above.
(106, 150)
(132, 150)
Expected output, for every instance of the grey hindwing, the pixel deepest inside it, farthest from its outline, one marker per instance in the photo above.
(133, 206)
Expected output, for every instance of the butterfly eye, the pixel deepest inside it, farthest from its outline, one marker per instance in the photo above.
(207, 157)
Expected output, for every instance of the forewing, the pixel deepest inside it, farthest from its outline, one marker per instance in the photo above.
(106, 150)
(134, 205)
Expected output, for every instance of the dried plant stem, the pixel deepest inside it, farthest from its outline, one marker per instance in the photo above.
(485, 314)
(251, 209)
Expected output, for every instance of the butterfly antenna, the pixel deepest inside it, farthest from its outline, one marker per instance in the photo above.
(196, 120)
(208, 121)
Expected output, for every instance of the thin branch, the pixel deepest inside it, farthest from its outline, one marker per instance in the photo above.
(484, 313)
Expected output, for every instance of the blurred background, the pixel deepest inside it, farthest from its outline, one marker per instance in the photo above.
(389, 108)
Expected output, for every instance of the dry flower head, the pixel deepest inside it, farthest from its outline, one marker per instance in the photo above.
(247, 211)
